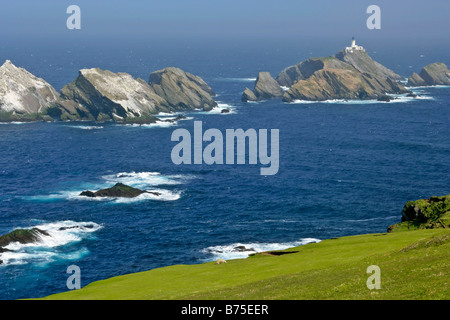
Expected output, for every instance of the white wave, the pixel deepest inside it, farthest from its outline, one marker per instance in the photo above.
(231, 251)
(162, 195)
(396, 99)
(236, 79)
(219, 108)
(149, 181)
(86, 127)
(144, 179)
(285, 88)
(372, 219)
(45, 250)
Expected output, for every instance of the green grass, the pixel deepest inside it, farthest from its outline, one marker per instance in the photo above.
(414, 265)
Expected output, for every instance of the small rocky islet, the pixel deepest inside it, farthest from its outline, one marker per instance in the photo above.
(119, 190)
(351, 74)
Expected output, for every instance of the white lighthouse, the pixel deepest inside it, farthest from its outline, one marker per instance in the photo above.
(354, 47)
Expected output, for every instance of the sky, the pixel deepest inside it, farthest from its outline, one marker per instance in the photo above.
(401, 20)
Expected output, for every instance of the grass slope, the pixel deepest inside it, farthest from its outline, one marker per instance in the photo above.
(414, 265)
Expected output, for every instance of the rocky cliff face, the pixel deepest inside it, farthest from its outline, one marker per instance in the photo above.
(23, 96)
(100, 95)
(265, 88)
(182, 90)
(306, 69)
(431, 75)
(347, 75)
(362, 62)
(349, 84)
(114, 96)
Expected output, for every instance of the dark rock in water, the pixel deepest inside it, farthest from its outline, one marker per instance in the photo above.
(119, 190)
(88, 194)
(411, 95)
(385, 98)
(22, 236)
(225, 111)
(242, 249)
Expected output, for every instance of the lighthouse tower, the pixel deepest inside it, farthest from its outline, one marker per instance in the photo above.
(354, 47)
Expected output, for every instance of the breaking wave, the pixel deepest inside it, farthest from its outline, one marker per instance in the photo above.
(57, 244)
(242, 250)
(148, 181)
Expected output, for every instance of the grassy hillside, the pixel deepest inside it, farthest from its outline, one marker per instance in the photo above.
(414, 265)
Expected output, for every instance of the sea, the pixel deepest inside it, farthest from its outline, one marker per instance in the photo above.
(345, 167)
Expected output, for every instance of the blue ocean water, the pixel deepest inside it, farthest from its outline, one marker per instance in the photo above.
(345, 168)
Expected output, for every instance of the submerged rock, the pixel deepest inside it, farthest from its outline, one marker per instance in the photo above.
(119, 190)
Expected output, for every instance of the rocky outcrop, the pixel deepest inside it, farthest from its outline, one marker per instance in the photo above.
(327, 84)
(22, 236)
(431, 75)
(424, 214)
(119, 190)
(362, 62)
(303, 70)
(23, 96)
(265, 88)
(182, 90)
(100, 95)
(350, 74)
(114, 96)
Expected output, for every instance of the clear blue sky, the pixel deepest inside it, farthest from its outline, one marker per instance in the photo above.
(406, 19)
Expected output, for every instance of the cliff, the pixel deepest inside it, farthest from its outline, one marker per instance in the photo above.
(349, 74)
(101, 95)
(182, 90)
(431, 75)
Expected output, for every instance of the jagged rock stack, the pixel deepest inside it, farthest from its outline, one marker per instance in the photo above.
(101, 95)
(431, 75)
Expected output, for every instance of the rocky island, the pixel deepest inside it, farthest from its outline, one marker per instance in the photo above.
(350, 74)
(101, 95)
(119, 190)
(431, 75)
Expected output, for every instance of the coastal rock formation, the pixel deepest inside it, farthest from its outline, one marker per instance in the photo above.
(350, 74)
(329, 84)
(265, 88)
(303, 70)
(23, 96)
(431, 75)
(182, 90)
(424, 214)
(100, 95)
(119, 190)
(22, 236)
(361, 61)
(114, 96)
